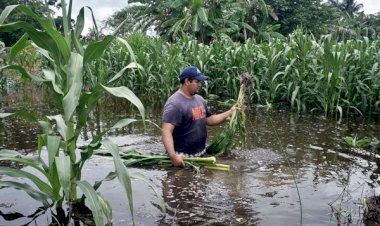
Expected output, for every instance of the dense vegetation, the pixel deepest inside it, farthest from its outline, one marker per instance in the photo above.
(243, 19)
(308, 75)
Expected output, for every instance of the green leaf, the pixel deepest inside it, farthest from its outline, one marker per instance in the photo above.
(24, 114)
(50, 76)
(23, 72)
(61, 125)
(17, 47)
(39, 196)
(120, 73)
(79, 23)
(74, 83)
(107, 210)
(42, 186)
(78, 46)
(294, 95)
(195, 24)
(129, 48)
(195, 3)
(96, 49)
(63, 164)
(5, 13)
(122, 123)
(52, 145)
(93, 200)
(63, 52)
(14, 156)
(126, 93)
(177, 27)
(202, 13)
(94, 21)
(4, 115)
(43, 52)
(40, 38)
(121, 171)
(87, 103)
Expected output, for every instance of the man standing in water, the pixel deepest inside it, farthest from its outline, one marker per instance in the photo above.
(186, 116)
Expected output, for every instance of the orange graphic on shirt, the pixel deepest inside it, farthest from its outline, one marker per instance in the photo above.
(199, 112)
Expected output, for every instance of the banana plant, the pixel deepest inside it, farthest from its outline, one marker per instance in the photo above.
(68, 59)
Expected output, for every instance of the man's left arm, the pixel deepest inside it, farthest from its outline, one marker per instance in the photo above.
(214, 120)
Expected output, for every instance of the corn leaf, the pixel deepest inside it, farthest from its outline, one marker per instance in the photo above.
(63, 164)
(126, 93)
(93, 200)
(37, 195)
(121, 171)
(53, 143)
(42, 186)
(74, 83)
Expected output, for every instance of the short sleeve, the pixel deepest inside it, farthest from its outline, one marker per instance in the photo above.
(171, 114)
(208, 112)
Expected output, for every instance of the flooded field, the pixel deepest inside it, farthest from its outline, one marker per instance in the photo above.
(333, 179)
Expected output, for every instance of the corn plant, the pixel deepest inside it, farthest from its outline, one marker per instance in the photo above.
(307, 75)
(235, 133)
(68, 62)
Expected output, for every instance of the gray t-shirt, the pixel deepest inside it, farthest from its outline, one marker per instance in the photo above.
(189, 118)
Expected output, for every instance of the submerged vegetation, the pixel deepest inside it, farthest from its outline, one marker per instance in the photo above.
(140, 159)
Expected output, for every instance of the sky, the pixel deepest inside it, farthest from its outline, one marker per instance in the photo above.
(370, 6)
(101, 9)
(104, 8)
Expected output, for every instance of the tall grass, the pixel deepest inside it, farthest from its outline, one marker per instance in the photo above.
(307, 75)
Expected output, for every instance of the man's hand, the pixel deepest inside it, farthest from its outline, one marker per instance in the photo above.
(177, 160)
(236, 107)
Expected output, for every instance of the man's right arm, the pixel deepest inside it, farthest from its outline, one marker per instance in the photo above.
(167, 139)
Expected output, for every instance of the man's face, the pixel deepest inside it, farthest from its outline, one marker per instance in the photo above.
(194, 86)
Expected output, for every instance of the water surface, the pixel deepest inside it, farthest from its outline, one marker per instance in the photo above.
(332, 179)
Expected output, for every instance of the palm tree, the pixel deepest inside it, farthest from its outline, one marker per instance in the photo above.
(203, 19)
(351, 7)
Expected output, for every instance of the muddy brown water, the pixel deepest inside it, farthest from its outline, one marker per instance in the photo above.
(333, 179)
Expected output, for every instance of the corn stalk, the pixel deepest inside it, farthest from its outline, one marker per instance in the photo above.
(68, 59)
(235, 133)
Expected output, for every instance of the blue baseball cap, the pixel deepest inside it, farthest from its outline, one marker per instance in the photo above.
(193, 73)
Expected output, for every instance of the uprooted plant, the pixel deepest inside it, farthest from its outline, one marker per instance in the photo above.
(138, 159)
(235, 133)
(59, 175)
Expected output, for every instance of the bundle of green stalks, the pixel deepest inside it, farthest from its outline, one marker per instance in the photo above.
(139, 159)
(234, 134)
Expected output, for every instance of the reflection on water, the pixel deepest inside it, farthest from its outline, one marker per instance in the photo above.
(259, 189)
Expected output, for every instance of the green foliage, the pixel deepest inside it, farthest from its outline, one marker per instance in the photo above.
(68, 64)
(351, 22)
(38, 6)
(355, 142)
(205, 20)
(307, 75)
(139, 159)
(313, 16)
(234, 134)
(347, 6)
